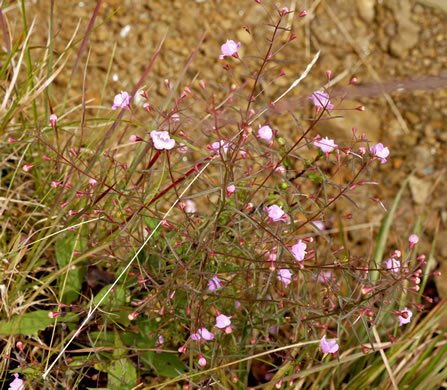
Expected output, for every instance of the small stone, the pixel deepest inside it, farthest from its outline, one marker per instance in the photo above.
(366, 10)
(420, 189)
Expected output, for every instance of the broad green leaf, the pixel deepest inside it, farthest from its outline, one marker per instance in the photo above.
(64, 253)
(164, 363)
(116, 297)
(28, 324)
(122, 372)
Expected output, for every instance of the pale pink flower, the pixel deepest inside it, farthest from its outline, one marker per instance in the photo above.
(392, 264)
(183, 148)
(380, 152)
(220, 145)
(284, 276)
(319, 225)
(121, 100)
(229, 48)
(326, 145)
(325, 277)
(160, 339)
(321, 100)
(413, 240)
(202, 361)
(328, 346)
(27, 167)
(265, 133)
(202, 333)
(190, 206)
(402, 319)
(17, 383)
(162, 140)
(230, 190)
(53, 120)
(299, 250)
(222, 321)
(175, 117)
(276, 213)
(214, 284)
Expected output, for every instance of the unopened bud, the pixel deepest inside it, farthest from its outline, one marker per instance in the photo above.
(132, 316)
(53, 120)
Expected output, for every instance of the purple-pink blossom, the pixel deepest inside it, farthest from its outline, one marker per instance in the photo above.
(325, 277)
(121, 100)
(230, 190)
(380, 152)
(328, 346)
(190, 206)
(413, 240)
(299, 250)
(214, 283)
(229, 48)
(265, 133)
(326, 145)
(162, 140)
(408, 315)
(202, 334)
(17, 383)
(392, 264)
(284, 276)
(220, 145)
(222, 321)
(321, 100)
(276, 213)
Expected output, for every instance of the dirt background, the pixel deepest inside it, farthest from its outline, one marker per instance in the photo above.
(390, 42)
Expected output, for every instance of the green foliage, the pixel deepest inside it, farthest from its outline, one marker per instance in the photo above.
(71, 283)
(27, 324)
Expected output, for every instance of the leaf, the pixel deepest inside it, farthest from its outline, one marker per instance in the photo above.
(64, 253)
(28, 324)
(122, 373)
(164, 363)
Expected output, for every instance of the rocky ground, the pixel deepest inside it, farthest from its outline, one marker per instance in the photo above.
(377, 41)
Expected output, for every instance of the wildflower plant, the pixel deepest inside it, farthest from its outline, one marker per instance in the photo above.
(183, 246)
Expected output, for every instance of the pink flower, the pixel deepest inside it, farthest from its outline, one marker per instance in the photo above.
(265, 133)
(202, 333)
(284, 276)
(121, 100)
(229, 48)
(325, 277)
(380, 152)
(17, 383)
(162, 140)
(220, 145)
(413, 240)
(408, 314)
(276, 213)
(299, 250)
(214, 284)
(230, 190)
(321, 100)
(222, 321)
(325, 144)
(160, 340)
(190, 206)
(53, 120)
(27, 167)
(202, 361)
(392, 264)
(328, 346)
(319, 225)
